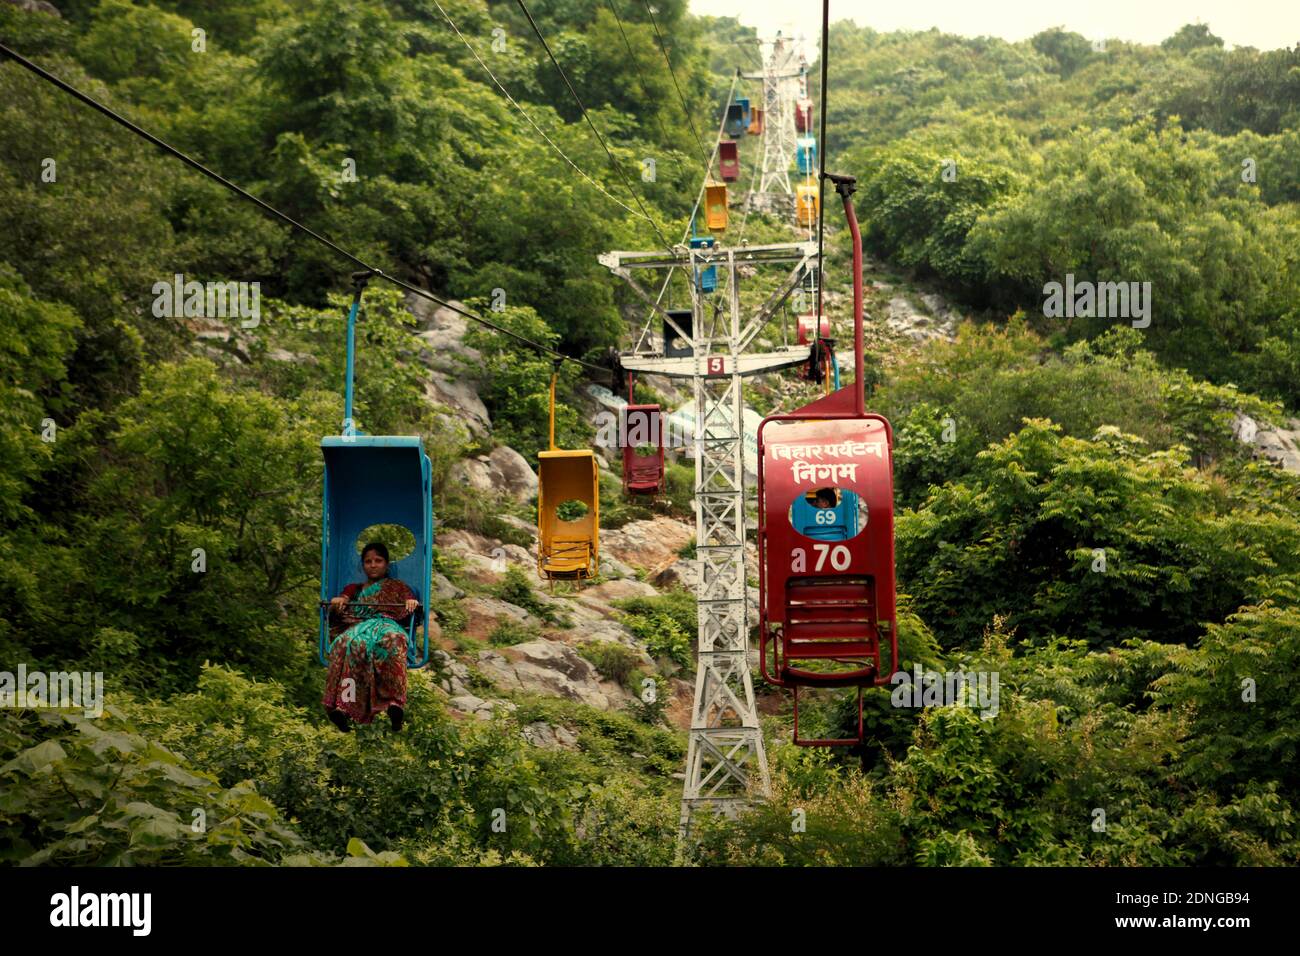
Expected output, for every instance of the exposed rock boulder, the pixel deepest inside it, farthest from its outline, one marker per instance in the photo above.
(473, 473)
(681, 573)
(442, 330)
(480, 708)
(1281, 444)
(444, 590)
(650, 544)
(543, 735)
(669, 388)
(618, 591)
(528, 527)
(611, 633)
(36, 6)
(518, 555)
(494, 608)
(552, 668)
(906, 320)
(504, 471)
(455, 681)
(510, 473)
(464, 542)
(435, 631)
(218, 340)
(679, 708)
(461, 397)
(580, 614)
(612, 567)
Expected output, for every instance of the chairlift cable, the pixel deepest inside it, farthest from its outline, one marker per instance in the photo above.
(664, 50)
(506, 93)
(283, 217)
(577, 99)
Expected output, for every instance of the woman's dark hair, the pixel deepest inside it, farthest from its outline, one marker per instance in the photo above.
(376, 546)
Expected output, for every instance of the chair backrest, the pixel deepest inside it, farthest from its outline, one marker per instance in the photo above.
(707, 276)
(729, 161)
(642, 425)
(715, 207)
(806, 204)
(806, 154)
(737, 118)
(826, 524)
(370, 480)
(828, 586)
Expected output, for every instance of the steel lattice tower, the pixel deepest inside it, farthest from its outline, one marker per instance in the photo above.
(726, 761)
(782, 83)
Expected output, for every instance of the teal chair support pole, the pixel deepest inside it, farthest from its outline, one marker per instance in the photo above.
(348, 427)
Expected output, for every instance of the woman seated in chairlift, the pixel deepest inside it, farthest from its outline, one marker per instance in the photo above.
(367, 670)
(825, 498)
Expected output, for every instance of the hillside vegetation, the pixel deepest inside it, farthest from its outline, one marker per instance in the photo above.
(1075, 512)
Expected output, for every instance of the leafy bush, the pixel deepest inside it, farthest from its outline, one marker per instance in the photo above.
(662, 636)
(508, 631)
(849, 823)
(666, 624)
(451, 616)
(1239, 690)
(214, 485)
(516, 588)
(974, 391)
(648, 707)
(614, 661)
(571, 510)
(679, 481)
(515, 386)
(1105, 541)
(616, 508)
(96, 793)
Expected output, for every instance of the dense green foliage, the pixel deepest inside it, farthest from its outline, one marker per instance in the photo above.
(1075, 513)
(996, 168)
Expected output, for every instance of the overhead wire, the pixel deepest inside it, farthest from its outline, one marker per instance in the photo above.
(717, 145)
(283, 217)
(708, 158)
(731, 93)
(577, 99)
(506, 93)
(746, 48)
(641, 76)
(821, 189)
(664, 49)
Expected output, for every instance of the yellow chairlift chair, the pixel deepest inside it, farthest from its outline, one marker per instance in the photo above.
(567, 548)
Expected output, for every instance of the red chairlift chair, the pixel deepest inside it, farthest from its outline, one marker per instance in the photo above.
(642, 474)
(826, 606)
(729, 161)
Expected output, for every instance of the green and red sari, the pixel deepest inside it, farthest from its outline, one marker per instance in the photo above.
(367, 670)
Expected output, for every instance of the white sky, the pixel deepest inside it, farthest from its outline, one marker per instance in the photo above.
(1266, 24)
